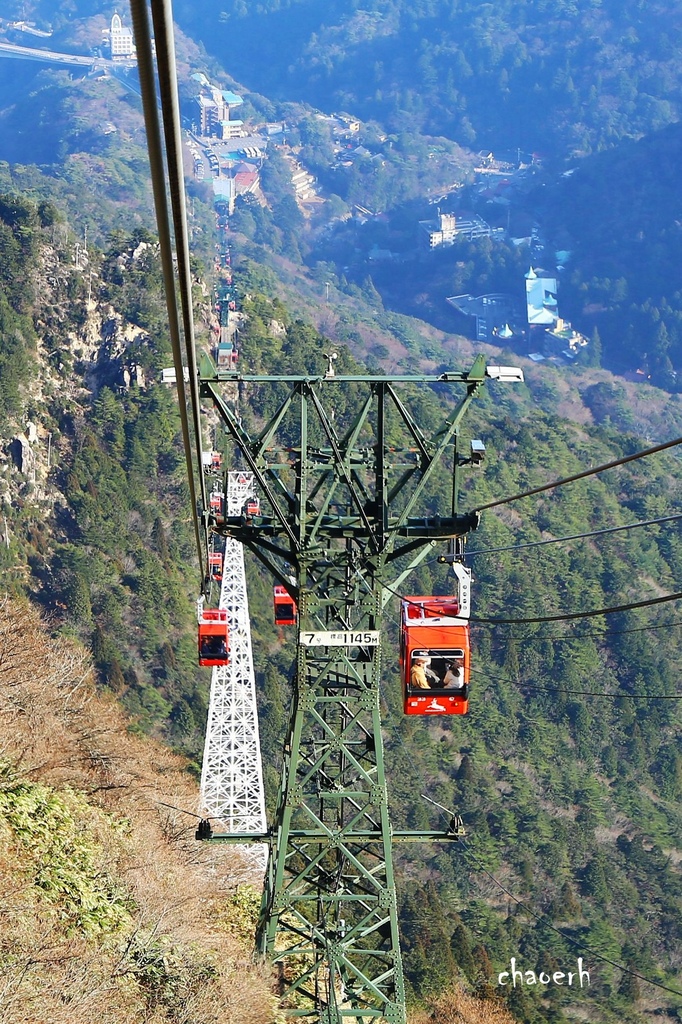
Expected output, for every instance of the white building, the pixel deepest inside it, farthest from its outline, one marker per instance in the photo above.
(449, 227)
(120, 39)
(541, 299)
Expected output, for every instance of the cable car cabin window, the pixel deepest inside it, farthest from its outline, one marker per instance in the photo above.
(446, 691)
(285, 614)
(215, 564)
(217, 505)
(437, 670)
(212, 650)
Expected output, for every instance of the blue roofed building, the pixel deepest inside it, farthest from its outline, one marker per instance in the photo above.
(231, 99)
(214, 106)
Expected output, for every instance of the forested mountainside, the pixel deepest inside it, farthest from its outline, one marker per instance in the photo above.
(120, 914)
(562, 78)
(614, 216)
(568, 770)
(619, 215)
(546, 770)
(567, 77)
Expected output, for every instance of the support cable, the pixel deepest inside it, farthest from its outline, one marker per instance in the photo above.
(574, 536)
(586, 615)
(581, 476)
(145, 63)
(586, 636)
(562, 617)
(577, 693)
(162, 16)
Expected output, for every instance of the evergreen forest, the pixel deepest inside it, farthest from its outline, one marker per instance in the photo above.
(568, 769)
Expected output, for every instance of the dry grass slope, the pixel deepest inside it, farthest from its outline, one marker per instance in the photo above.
(110, 912)
(458, 1007)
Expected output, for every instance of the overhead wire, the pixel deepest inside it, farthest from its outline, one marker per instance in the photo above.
(162, 17)
(577, 693)
(586, 636)
(603, 695)
(583, 615)
(574, 536)
(143, 44)
(582, 475)
(557, 618)
(559, 931)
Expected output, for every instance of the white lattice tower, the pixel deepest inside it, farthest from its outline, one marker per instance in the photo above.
(232, 793)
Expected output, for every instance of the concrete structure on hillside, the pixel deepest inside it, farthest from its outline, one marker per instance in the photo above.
(448, 227)
(246, 180)
(224, 191)
(490, 315)
(303, 182)
(562, 340)
(548, 331)
(231, 129)
(213, 108)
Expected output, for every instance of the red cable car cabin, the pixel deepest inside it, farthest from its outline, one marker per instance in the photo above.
(215, 565)
(285, 607)
(217, 506)
(213, 637)
(434, 656)
(252, 506)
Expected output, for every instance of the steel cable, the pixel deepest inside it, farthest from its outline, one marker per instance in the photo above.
(145, 62)
(582, 475)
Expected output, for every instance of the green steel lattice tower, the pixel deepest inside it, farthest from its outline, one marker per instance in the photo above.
(342, 465)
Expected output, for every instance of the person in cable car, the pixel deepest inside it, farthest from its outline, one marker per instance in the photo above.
(212, 647)
(421, 673)
(454, 675)
(434, 649)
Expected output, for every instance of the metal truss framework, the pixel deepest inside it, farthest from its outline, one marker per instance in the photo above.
(342, 464)
(232, 773)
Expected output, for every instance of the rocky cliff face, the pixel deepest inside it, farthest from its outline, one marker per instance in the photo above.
(82, 341)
